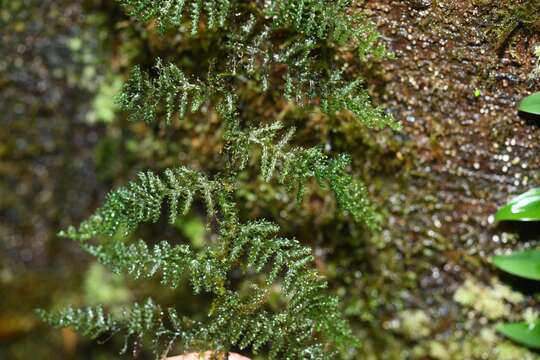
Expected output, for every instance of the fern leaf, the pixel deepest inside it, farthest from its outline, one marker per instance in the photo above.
(171, 91)
(139, 321)
(142, 201)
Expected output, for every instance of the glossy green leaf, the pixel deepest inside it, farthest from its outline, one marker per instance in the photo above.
(530, 104)
(525, 264)
(522, 333)
(525, 207)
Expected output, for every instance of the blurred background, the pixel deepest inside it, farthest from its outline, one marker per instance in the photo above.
(463, 152)
(61, 63)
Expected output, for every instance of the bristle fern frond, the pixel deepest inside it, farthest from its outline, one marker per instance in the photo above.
(314, 18)
(290, 47)
(92, 321)
(142, 201)
(233, 321)
(171, 91)
(255, 244)
(295, 165)
(136, 323)
(170, 13)
(332, 20)
(338, 95)
(304, 82)
(324, 19)
(141, 261)
(173, 94)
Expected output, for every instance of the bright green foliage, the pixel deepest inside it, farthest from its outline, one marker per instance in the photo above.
(530, 104)
(142, 200)
(253, 52)
(307, 323)
(327, 19)
(525, 207)
(339, 96)
(90, 322)
(319, 19)
(525, 264)
(255, 244)
(296, 165)
(140, 261)
(522, 333)
(173, 93)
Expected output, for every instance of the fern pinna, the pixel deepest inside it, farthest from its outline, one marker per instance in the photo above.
(308, 325)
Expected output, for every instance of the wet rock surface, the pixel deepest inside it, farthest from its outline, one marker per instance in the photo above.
(466, 150)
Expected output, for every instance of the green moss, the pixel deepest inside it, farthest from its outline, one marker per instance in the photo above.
(103, 287)
(513, 17)
(490, 301)
(192, 228)
(486, 345)
(104, 106)
(415, 324)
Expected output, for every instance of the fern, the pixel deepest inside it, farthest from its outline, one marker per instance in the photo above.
(252, 50)
(279, 35)
(209, 271)
(171, 90)
(140, 261)
(136, 323)
(173, 93)
(91, 322)
(141, 201)
(296, 165)
(233, 322)
(324, 19)
(339, 95)
(170, 13)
